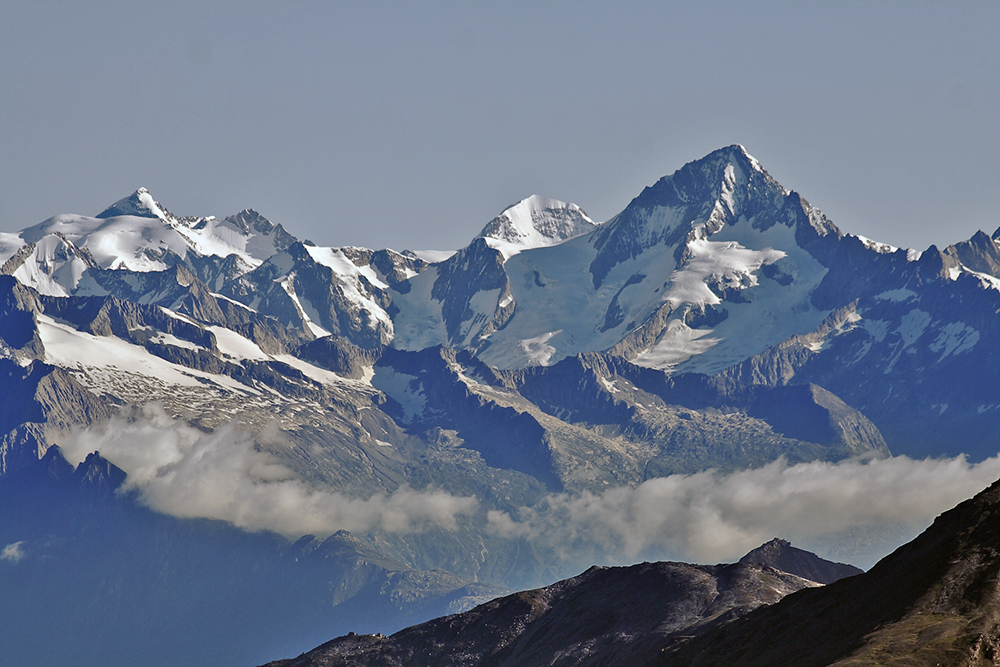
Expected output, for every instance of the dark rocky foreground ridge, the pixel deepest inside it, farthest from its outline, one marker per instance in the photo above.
(934, 601)
(605, 616)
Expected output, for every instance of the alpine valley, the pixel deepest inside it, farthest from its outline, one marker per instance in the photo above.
(221, 445)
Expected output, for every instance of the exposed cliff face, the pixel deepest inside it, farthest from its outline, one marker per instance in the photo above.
(474, 292)
(718, 190)
(19, 306)
(324, 291)
(340, 355)
(40, 397)
(700, 418)
(595, 420)
(897, 350)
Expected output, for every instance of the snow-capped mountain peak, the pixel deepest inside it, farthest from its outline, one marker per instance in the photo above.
(535, 222)
(139, 234)
(139, 204)
(696, 202)
(734, 154)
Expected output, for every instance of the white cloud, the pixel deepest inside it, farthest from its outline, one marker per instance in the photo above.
(855, 510)
(13, 552)
(185, 472)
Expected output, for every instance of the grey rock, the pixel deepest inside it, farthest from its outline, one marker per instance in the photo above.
(695, 188)
(913, 351)
(39, 397)
(340, 356)
(269, 289)
(474, 269)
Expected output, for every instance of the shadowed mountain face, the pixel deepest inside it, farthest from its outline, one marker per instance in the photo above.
(605, 616)
(933, 601)
(781, 555)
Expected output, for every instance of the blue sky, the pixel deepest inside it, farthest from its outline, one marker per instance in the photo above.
(411, 124)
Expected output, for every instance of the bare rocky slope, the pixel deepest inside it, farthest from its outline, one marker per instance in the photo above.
(933, 601)
(605, 616)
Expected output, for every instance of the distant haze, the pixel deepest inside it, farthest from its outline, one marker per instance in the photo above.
(410, 125)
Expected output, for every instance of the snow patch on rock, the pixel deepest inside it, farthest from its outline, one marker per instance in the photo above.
(537, 349)
(405, 389)
(955, 338)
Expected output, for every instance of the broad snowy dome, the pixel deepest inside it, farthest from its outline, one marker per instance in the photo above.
(535, 222)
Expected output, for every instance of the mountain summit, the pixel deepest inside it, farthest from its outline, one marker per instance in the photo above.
(780, 554)
(705, 266)
(140, 204)
(715, 269)
(535, 222)
(934, 601)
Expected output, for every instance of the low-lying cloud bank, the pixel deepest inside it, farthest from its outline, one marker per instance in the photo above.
(185, 472)
(852, 509)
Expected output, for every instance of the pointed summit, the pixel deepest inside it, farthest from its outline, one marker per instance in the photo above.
(98, 476)
(697, 201)
(780, 554)
(729, 176)
(735, 154)
(139, 204)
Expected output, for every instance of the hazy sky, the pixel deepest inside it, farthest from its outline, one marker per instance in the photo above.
(411, 124)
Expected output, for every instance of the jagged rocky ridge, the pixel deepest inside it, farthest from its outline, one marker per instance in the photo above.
(583, 423)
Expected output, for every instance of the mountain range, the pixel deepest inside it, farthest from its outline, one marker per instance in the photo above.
(420, 408)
